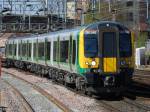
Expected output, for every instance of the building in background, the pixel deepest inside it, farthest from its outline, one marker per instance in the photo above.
(71, 9)
(75, 8)
(134, 14)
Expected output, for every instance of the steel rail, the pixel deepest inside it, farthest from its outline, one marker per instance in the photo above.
(44, 93)
(138, 105)
(105, 104)
(26, 104)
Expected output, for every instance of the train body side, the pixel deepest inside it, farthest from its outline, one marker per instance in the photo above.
(46, 50)
(96, 57)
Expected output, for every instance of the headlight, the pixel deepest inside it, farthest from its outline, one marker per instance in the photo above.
(86, 63)
(93, 63)
(122, 62)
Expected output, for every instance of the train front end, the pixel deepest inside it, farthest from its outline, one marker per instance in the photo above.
(106, 57)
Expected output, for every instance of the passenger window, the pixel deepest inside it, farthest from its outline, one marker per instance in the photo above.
(6, 47)
(54, 51)
(41, 50)
(24, 49)
(10, 49)
(74, 52)
(34, 50)
(19, 49)
(48, 50)
(29, 50)
(64, 51)
(15, 46)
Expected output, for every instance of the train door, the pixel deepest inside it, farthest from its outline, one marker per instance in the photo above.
(109, 52)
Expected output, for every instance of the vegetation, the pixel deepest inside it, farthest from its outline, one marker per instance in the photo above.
(142, 38)
(103, 14)
(95, 15)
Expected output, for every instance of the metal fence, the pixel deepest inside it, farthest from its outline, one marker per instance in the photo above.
(21, 27)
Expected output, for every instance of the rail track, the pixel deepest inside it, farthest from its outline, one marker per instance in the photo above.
(121, 105)
(125, 104)
(43, 92)
(142, 73)
(142, 76)
(27, 107)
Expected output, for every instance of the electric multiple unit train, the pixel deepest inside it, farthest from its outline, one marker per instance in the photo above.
(95, 58)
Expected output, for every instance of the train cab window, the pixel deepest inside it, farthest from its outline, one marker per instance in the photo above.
(109, 44)
(48, 47)
(74, 52)
(41, 53)
(91, 46)
(125, 45)
(91, 41)
(34, 50)
(54, 51)
(64, 51)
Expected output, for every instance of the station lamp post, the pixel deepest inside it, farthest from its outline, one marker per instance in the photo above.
(147, 16)
(147, 6)
(80, 10)
(29, 5)
(114, 12)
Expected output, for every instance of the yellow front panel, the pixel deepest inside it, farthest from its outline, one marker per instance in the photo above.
(82, 59)
(110, 65)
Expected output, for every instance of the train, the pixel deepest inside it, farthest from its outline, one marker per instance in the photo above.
(95, 58)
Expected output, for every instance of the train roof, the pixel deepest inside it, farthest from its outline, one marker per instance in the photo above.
(49, 33)
(77, 29)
